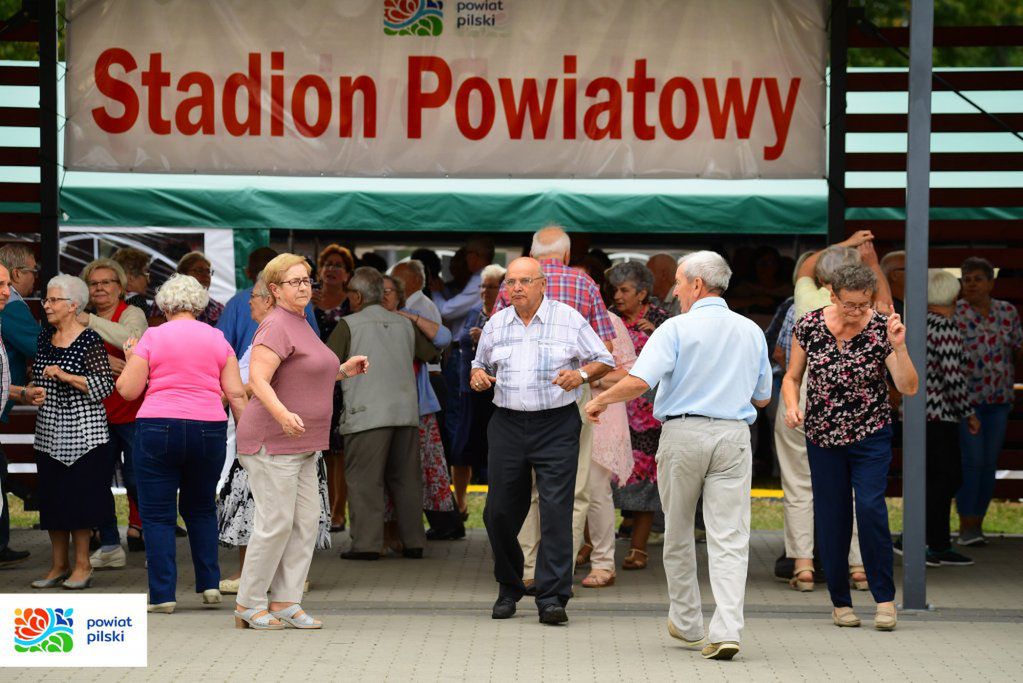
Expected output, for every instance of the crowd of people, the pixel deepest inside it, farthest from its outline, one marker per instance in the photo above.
(337, 394)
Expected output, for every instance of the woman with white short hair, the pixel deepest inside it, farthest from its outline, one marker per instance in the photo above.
(72, 442)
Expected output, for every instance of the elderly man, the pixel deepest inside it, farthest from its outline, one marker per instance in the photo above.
(663, 267)
(20, 331)
(893, 266)
(10, 392)
(536, 354)
(712, 368)
(380, 420)
(552, 248)
(813, 290)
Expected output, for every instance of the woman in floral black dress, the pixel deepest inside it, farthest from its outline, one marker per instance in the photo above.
(846, 348)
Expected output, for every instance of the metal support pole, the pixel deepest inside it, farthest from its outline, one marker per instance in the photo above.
(49, 235)
(918, 167)
(836, 124)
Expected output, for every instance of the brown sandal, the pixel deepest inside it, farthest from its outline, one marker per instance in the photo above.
(858, 584)
(599, 578)
(583, 558)
(802, 586)
(633, 561)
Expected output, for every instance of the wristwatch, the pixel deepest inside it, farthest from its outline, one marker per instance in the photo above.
(582, 373)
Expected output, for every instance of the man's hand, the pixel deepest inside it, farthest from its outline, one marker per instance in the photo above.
(474, 334)
(593, 410)
(857, 238)
(896, 330)
(35, 396)
(569, 380)
(480, 380)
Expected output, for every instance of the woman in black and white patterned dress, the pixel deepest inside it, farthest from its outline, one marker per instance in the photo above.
(235, 508)
(72, 443)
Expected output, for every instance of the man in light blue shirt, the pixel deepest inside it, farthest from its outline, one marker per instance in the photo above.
(712, 371)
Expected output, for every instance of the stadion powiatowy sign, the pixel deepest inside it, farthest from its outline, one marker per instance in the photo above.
(512, 88)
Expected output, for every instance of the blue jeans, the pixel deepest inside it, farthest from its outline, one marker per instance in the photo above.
(122, 438)
(835, 473)
(980, 458)
(171, 455)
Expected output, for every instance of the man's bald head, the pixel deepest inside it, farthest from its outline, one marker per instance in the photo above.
(663, 268)
(525, 297)
(410, 276)
(551, 242)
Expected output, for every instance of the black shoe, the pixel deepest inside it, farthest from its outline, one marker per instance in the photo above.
(947, 558)
(180, 532)
(337, 528)
(136, 543)
(504, 608)
(9, 557)
(897, 545)
(358, 555)
(553, 615)
(94, 542)
(412, 553)
(445, 534)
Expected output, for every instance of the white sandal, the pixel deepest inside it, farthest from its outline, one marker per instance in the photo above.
(258, 619)
(296, 617)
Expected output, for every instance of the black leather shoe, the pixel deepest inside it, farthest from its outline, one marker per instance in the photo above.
(180, 532)
(9, 557)
(357, 555)
(553, 615)
(504, 608)
(445, 534)
(412, 553)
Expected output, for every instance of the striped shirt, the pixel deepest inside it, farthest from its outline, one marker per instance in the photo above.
(526, 360)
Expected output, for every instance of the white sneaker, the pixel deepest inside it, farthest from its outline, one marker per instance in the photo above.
(115, 559)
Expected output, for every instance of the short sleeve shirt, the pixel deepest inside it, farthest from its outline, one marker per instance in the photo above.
(846, 389)
(304, 383)
(989, 343)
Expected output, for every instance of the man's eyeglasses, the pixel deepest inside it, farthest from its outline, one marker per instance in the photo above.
(850, 307)
(524, 281)
(388, 290)
(93, 284)
(34, 271)
(300, 281)
(51, 300)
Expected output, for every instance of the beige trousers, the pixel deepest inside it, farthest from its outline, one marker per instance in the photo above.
(287, 500)
(601, 518)
(790, 445)
(529, 535)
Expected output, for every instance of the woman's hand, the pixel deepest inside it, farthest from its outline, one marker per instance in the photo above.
(793, 418)
(474, 334)
(973, 424)
(116, 365)
(896, 330)
(129, 349)
(292, 424)
(356, 365)
(645, 325)
(54, 372)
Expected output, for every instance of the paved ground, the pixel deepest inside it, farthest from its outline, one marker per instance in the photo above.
(405, 620)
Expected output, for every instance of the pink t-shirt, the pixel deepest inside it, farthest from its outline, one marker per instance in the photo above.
(185, 359)
(303, 382)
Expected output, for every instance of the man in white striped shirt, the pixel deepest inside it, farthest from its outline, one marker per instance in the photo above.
(536, 354)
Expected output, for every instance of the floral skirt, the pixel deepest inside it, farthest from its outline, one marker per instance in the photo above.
(436, 484)
(236, 510)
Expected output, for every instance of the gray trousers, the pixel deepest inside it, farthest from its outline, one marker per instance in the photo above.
(375, 458)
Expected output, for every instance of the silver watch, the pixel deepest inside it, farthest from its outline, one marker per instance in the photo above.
(582, 373)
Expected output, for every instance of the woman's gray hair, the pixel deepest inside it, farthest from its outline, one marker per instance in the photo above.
(942, 287)
(633, 272)
(710, 267)
(854, 278)
(260, 288)
(182, 294)
(493, 271)
(369, 284)
(73, 288)
(831, 260)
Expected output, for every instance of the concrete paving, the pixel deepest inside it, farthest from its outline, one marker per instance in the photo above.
(429, 619)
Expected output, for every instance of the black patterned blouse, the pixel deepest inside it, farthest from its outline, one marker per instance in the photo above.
(70, 423)
(846, 388)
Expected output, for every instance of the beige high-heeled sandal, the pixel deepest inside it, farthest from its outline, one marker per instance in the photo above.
(858, 584)
(802, 586)
(633, 559)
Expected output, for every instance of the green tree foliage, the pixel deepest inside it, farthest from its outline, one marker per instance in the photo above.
(28, 51)
(884, 13)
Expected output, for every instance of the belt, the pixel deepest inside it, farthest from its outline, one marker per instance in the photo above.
(686, 415)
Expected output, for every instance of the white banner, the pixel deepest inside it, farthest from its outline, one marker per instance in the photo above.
(470, 88)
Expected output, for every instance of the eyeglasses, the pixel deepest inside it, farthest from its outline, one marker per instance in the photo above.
(524, 281)
(253, 295)
(389, 290)
(93, 284)
(299, 282)
(144, 273)
(34, 271)
(849, 307)
(51, 300)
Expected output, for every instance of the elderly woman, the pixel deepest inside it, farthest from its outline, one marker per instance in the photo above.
(846, 348)
(115, 322)
(292, 375)
(632, 283)
(334, 267)
(994, 345)
(196, 265)
(473, 454)
(135, 263)
(235, 507)
(610, 461)
(445, 523)
(71, 439)
(180, 435)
